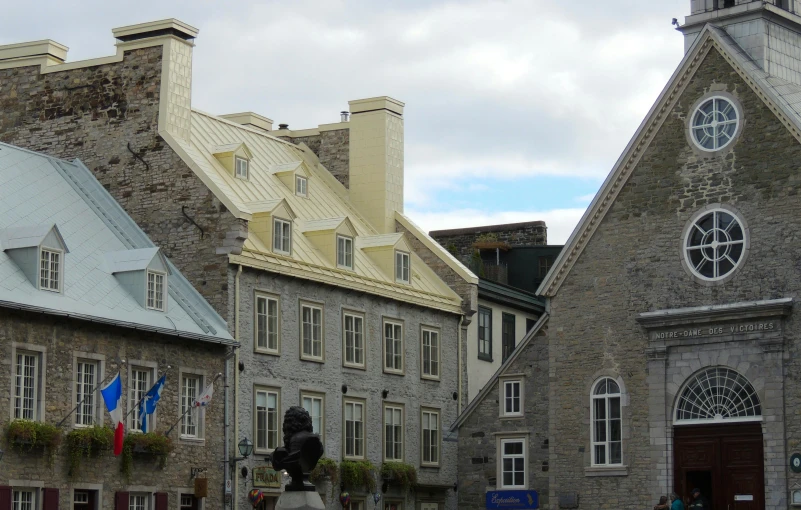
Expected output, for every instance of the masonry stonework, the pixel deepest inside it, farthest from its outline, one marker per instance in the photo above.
(332, 148)
(460, 241)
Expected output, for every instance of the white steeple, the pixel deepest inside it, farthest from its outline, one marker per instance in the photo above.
(769, 31)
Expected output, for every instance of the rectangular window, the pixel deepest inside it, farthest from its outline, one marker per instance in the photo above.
(357, 505)
(393, 347)
(353, 326)
(311, 318)
(139, 502)
(401, 267)
(50, 270)
(155, 291)
(607, 430)
(393, 433)
(507, 335)
(314, 403)
(267, 419)
(430, 353)
(545, 264)
(23, 499)
(512, 398)
(282, 236)
(393, 505)
(187, 502)
(26, 385)
(300, 186)
(191, 386)
(484, 333)
(513, 464)
(266, 324)
(354, 429)
(138, 385)
(430, 441)
(80, 498)
(242, 168)
(345, 252)
(86, 373)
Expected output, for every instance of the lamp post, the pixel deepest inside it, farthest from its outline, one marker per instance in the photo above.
(245, 449)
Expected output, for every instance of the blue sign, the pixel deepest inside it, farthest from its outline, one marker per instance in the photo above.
(513, 500)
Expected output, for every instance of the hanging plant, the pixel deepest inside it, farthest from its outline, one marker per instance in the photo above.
(326, 469)
(26, 435)
(399, 473)
(85, 443)
(144, 444)
(357, 474)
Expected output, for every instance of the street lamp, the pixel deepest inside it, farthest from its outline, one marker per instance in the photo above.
(245, 449)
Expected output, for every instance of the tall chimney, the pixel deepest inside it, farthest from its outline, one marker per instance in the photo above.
(376, 160)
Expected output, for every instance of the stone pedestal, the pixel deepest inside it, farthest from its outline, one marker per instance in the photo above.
(300, 500)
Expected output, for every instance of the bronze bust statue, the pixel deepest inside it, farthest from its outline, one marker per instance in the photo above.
(301, 451)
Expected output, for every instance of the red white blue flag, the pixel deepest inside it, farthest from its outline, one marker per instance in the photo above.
(112, 396)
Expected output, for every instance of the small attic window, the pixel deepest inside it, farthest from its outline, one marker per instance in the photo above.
(50, 270)
(155, 290)
(242, 168)
(402, 261)
(301, 184)
(345, 252)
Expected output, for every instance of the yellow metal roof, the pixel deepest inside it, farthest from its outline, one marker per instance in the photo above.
(326, 201)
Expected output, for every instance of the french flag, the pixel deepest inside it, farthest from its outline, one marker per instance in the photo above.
(112, 396)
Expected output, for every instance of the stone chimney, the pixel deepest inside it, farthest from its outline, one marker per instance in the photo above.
(376, 160)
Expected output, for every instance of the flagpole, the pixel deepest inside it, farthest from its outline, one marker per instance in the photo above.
(143, 396)
(100, 384)
(191, 406)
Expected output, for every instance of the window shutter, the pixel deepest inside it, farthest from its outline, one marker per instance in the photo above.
(50, 499)
(121, 501)
(5, 497)
(161, 501)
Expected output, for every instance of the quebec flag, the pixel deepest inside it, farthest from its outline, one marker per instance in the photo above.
(112, 396)
(148, 404)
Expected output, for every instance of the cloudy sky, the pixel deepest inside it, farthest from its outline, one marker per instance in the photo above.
(515, 110)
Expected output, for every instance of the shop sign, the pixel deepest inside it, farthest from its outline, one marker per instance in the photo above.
(264, 476)
(513, 500)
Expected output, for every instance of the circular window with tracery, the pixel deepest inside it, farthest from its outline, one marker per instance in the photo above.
(715, 244)
(714, 123)
(718, 394)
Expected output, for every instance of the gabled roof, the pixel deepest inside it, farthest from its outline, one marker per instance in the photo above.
(39, 190)
(287, 167)
(132, 260)
(379, 241)
(268, 206)
(521, 346)
(228, 148)
(780, 96)
(29, 236)
(326, 224)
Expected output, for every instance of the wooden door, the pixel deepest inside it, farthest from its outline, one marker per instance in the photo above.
(742, 473)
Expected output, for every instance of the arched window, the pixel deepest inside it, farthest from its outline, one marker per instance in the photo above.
(716, 395)
(607, 425)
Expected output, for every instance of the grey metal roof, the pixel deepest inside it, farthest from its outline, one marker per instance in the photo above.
(508, 295)
(38, 191)
(130, 260)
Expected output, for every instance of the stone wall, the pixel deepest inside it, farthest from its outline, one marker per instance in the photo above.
(632, 264)
(107, 116)
(460, 241)
(332, 148)
(478, 435)
(61, 339)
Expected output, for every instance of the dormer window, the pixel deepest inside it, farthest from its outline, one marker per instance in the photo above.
(282, 236)
(50, 270)
(242, 168)
(401, 267)
(345, 252)
(300, 186)
(155, 291)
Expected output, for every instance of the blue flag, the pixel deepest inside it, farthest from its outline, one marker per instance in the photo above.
(148, 404)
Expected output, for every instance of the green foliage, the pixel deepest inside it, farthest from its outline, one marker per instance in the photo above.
(25, 435)
(86, 442)
(489, 237)
(399, 473)
(325, 469)
(477, 264)
(357, 474)
(452, 249)
(144, 444)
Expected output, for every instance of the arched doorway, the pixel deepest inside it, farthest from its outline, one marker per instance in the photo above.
(717, 440)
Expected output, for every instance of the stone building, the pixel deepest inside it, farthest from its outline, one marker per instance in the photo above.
(340, 302)
(84, 295)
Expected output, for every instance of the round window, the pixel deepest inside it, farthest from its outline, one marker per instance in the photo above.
(715, 244)
(714, 123)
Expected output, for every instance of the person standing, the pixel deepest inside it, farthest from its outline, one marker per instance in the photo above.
(699, 502)
(663, 504)
(675, 502)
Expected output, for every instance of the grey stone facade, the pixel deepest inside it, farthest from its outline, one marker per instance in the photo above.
(460, 241)
(332, 148)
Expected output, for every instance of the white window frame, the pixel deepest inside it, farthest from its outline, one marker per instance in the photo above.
(606, 398)
(16, 499)
(434, 437)
(345, 254)
(45, 273)
(137, 390)
(361, 404)
(434, 349)
(239, 164)
(37, 397)
(195, 417)
(312, 326)
(507, 384)
(282, 244)
(313, 396)
(395, 324)
(745, 243)
(147, 497)
(155, 299)
(398, 413)
(502, 442)
(184, 506)
(403, 272)
(267, 392)
(715, 99)
(89, 409)
(301, 186)
(257, 322)
(356, 335)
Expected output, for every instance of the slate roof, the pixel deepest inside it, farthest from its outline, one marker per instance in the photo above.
(42, 191)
